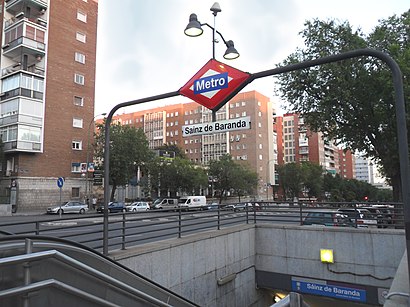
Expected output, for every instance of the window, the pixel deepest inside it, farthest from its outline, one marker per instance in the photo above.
(82, 16)
(79, 57)
(77, 122)
(78, 101)
(75, 192)
(34, 34)
(77, 145)
(79, 79)
(75, 167)
(80, 37)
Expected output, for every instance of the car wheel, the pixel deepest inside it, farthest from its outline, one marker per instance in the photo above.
(123, 210)
(82, 211)
(133, 210)
(60, 211)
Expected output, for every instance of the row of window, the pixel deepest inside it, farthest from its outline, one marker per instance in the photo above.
(79, 79)
(237, 104)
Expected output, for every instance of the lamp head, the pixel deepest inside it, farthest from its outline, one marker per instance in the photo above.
(216, 8)
(194, 26)
(230, 53)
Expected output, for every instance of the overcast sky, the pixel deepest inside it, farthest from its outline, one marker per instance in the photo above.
(142, 50)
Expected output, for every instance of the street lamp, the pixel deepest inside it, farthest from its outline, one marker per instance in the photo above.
(194, 28)
(88, 158)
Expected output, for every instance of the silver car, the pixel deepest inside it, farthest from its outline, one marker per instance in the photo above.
(138, 206)
(68, 207)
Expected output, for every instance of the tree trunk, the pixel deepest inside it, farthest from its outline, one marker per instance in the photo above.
(114, 188)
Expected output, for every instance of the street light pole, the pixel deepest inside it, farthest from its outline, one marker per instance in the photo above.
(88, 158)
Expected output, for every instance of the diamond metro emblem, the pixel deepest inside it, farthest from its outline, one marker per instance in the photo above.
(212, 85)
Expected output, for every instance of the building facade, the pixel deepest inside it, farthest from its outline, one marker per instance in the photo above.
(48, 61)
(253, 147)
(296, 143)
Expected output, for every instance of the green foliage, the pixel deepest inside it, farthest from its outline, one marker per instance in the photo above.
(310, 178)
(231, 176)
(128, 150)
(177, 176)
(351, 101)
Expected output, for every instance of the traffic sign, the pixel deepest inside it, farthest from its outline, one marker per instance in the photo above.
(60, 182)
(212, 85)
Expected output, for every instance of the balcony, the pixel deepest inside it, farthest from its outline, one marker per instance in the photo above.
(36, 70)
(22, 92)
(24, 45)
(36, 6)
(14, 20)
(15, 146)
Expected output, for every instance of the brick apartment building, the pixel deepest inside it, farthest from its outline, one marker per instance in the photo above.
(296, 143)
(254, 147)
(48, 61)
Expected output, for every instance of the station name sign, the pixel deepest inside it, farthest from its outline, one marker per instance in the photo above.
(329, 289)
(217, 127)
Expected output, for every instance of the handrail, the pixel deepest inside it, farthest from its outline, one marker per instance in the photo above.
(24, 290)
(44, 248)
(128, 229)
(109, 281)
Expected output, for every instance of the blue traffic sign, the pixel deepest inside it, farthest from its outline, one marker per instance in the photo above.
(60, 182)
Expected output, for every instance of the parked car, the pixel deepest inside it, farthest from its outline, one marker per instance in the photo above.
(359, 217)
(138, 206)
(326, 218)
(383, 214)
(212, 206)
(113, 207)
(68, 207)
(162, 203)
(243, 207)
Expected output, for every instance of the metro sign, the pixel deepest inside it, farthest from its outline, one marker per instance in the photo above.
(213, 84)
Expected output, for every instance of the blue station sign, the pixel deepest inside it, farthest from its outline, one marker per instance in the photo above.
(329, 289)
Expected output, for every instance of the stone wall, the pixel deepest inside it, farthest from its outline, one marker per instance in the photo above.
(192, 266)
(36, 194)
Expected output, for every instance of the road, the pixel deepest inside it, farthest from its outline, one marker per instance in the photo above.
(137, 228)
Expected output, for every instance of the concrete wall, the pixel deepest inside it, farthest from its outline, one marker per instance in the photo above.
(191, 266)
(296, 251)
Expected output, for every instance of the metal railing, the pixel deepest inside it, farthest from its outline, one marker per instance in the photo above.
(44, 271)
(132, 228)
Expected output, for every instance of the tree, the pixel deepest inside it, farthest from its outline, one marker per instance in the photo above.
(351, 101)
(177, 176)
(128, 150)
(245, 181)
(313, 178)
(291, 179)
(230, 176)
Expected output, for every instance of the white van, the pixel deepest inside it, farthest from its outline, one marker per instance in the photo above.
(192, 202)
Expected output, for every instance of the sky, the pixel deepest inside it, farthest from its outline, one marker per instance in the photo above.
(142, 50)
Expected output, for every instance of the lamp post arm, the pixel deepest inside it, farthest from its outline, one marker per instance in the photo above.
(107, 155)
(213, 29)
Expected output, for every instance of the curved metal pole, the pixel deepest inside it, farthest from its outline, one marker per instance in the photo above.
(400, 116)
(107, 156)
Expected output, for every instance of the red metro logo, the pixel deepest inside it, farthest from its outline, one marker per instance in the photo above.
(213, 84)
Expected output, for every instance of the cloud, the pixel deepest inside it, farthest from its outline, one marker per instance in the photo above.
(142, 50)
